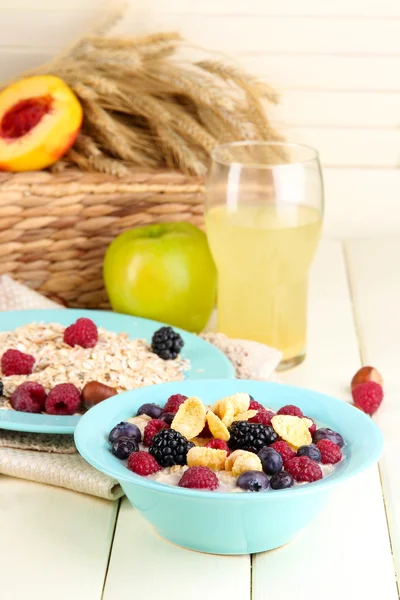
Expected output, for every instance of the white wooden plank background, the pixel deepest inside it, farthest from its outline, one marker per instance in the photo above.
(374, 267)
(55, 543)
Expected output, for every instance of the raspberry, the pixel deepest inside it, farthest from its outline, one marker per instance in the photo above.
(284, 450)
(205, 432)
(313, 428)
(200, 478)
(63, 399)
(29, 397)
(14, 362)
(254, 405)
(143, 463)
(330, 452)
(153, 427)
(218, 445)
(173, 403)
(263, 416)
(302, 468)
(81, 333)
(368, 396)
(290, 409)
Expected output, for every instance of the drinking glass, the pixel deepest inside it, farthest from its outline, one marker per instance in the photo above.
(264, 209)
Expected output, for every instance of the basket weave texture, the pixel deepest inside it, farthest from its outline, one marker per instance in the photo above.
(55, 228)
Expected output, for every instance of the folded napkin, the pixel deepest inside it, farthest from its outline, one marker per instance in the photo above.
(53, 459)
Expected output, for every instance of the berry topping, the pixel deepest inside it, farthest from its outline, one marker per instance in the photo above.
(81, 333)
(254, 405)
(291, 410)
(250, 436)
(199, 478)
(169, 447)
(271, 460)
(173, 403)
(218, 445)
(284, 450)
(29, 397)
(263, 416)
(123, 447)
(328, 434)
(143, 463)
(1, 388)
(311, 451)
(313, 428)
(168, 418)
(14, 362)
(153, 427)
(151, 410)
(368, 396)
(253, 481)
(281, 480)
(124, 429)
(63, 399)
(166, 343)
(302, 469)
(330, 452)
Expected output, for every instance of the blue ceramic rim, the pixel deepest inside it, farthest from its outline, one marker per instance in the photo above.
(64, 425)
(317, 486)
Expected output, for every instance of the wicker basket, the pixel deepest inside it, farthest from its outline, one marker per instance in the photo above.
(55, 228)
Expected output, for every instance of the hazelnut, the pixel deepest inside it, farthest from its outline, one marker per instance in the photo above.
(366, 374)
(95, 392)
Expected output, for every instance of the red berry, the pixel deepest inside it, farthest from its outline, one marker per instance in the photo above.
(368, 396)
(205, 432)
(63, 399)
(218, 445)
(313, 428)
(29, 397)
(173, 403)
(143, 463)
(290, 409)
(263, 416)
(330, 452)
(14, 362)
(81, 333)
(153, 427)
(284, 450)
(254, 405)
(200, 478)
(303, 468)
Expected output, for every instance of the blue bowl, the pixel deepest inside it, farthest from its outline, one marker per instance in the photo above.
(230, 523)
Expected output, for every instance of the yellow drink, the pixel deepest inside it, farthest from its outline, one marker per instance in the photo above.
(263, 253)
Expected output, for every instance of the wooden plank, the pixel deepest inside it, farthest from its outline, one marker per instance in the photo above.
(240, 32)
(55, 543)
(136, 548)
(326, 72)
(368, 8)
(374, 267)
(338, 539)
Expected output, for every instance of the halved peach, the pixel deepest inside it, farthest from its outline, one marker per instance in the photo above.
(40, 118)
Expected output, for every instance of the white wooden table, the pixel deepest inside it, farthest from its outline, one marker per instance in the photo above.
(57, 544)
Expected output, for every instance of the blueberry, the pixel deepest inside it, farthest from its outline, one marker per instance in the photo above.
(123, 447)
(328, 434)
(271, 460)
(311, 451)
(168, 418)
(281, 480)
(151, 410)
(253, 481)
(124, 429)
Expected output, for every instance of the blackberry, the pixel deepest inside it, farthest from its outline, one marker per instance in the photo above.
(250, 436)
(170, 448)
(1, 388)
(166, 343)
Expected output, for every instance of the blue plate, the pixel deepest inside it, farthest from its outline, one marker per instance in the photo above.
(230, 523)
(205, 360)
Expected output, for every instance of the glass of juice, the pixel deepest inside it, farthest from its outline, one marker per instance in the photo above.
(264, 208)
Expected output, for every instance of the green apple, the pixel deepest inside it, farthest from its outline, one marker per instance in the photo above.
(163, 272)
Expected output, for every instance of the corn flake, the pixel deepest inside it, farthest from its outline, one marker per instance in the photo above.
(207, 457)
(190, 418)
(217, 427)
(294, 430)
(245, 416)
(246, 462)
(231, 459)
